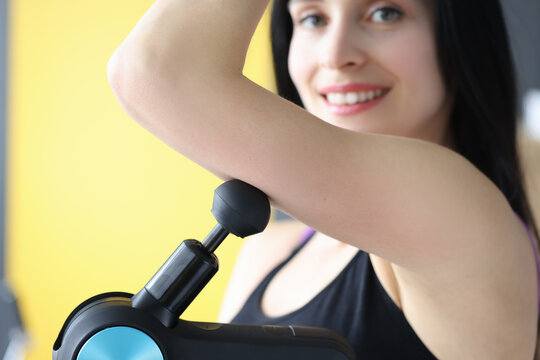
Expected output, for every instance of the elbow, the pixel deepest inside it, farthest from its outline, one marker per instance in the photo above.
(118, 77)
(143, 93)
(127, 79)
(113, 72)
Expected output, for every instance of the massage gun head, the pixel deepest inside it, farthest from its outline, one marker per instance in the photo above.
(240, 208)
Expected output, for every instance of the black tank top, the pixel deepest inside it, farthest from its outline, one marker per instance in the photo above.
(355, 305)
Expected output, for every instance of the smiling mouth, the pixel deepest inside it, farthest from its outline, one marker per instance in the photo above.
(354, 97)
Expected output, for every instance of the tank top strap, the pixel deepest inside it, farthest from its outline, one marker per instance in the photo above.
(306, 235)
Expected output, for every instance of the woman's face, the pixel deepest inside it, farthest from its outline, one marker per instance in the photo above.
(370, 66)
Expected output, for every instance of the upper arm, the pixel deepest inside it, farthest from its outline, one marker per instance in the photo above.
(406, 200)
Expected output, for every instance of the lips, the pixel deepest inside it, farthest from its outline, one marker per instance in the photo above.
(349, 99)
(353, 87)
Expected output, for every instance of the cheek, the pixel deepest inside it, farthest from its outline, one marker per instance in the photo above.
(300, 63)
(415, 65)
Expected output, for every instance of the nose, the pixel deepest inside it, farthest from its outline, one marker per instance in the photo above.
(342, 48)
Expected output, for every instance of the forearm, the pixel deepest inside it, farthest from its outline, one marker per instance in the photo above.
(176, 37)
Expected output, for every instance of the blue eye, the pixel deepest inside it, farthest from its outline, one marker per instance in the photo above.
(386, 14)
(312, 20)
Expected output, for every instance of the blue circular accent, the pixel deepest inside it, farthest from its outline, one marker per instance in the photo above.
(120, 343)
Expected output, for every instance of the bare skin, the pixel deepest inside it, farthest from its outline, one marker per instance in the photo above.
(281, 238)
(444, 241)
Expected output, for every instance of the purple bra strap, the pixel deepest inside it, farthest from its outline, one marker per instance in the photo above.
(306, 234)
(533, 241)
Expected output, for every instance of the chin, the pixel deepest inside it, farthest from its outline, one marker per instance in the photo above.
(356, 124)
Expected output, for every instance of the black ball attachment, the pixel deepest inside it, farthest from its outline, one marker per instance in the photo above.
(240, 209)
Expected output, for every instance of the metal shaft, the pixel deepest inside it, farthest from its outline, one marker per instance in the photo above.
(215, 238)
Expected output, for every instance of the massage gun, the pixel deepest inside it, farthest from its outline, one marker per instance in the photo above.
(122, 326)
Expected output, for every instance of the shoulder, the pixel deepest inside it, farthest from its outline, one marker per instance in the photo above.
(257, 257)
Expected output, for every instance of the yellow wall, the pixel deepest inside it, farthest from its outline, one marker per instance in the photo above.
(95, 203)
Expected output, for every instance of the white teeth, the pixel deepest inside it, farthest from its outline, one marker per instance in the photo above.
(336, 98)
(351, 98)
(363, 97)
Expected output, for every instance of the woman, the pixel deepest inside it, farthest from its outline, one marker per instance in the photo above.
(406, 152)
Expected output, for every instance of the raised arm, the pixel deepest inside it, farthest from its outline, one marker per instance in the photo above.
(417, 204)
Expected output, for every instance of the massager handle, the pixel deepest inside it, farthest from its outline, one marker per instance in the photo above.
(108, 324)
